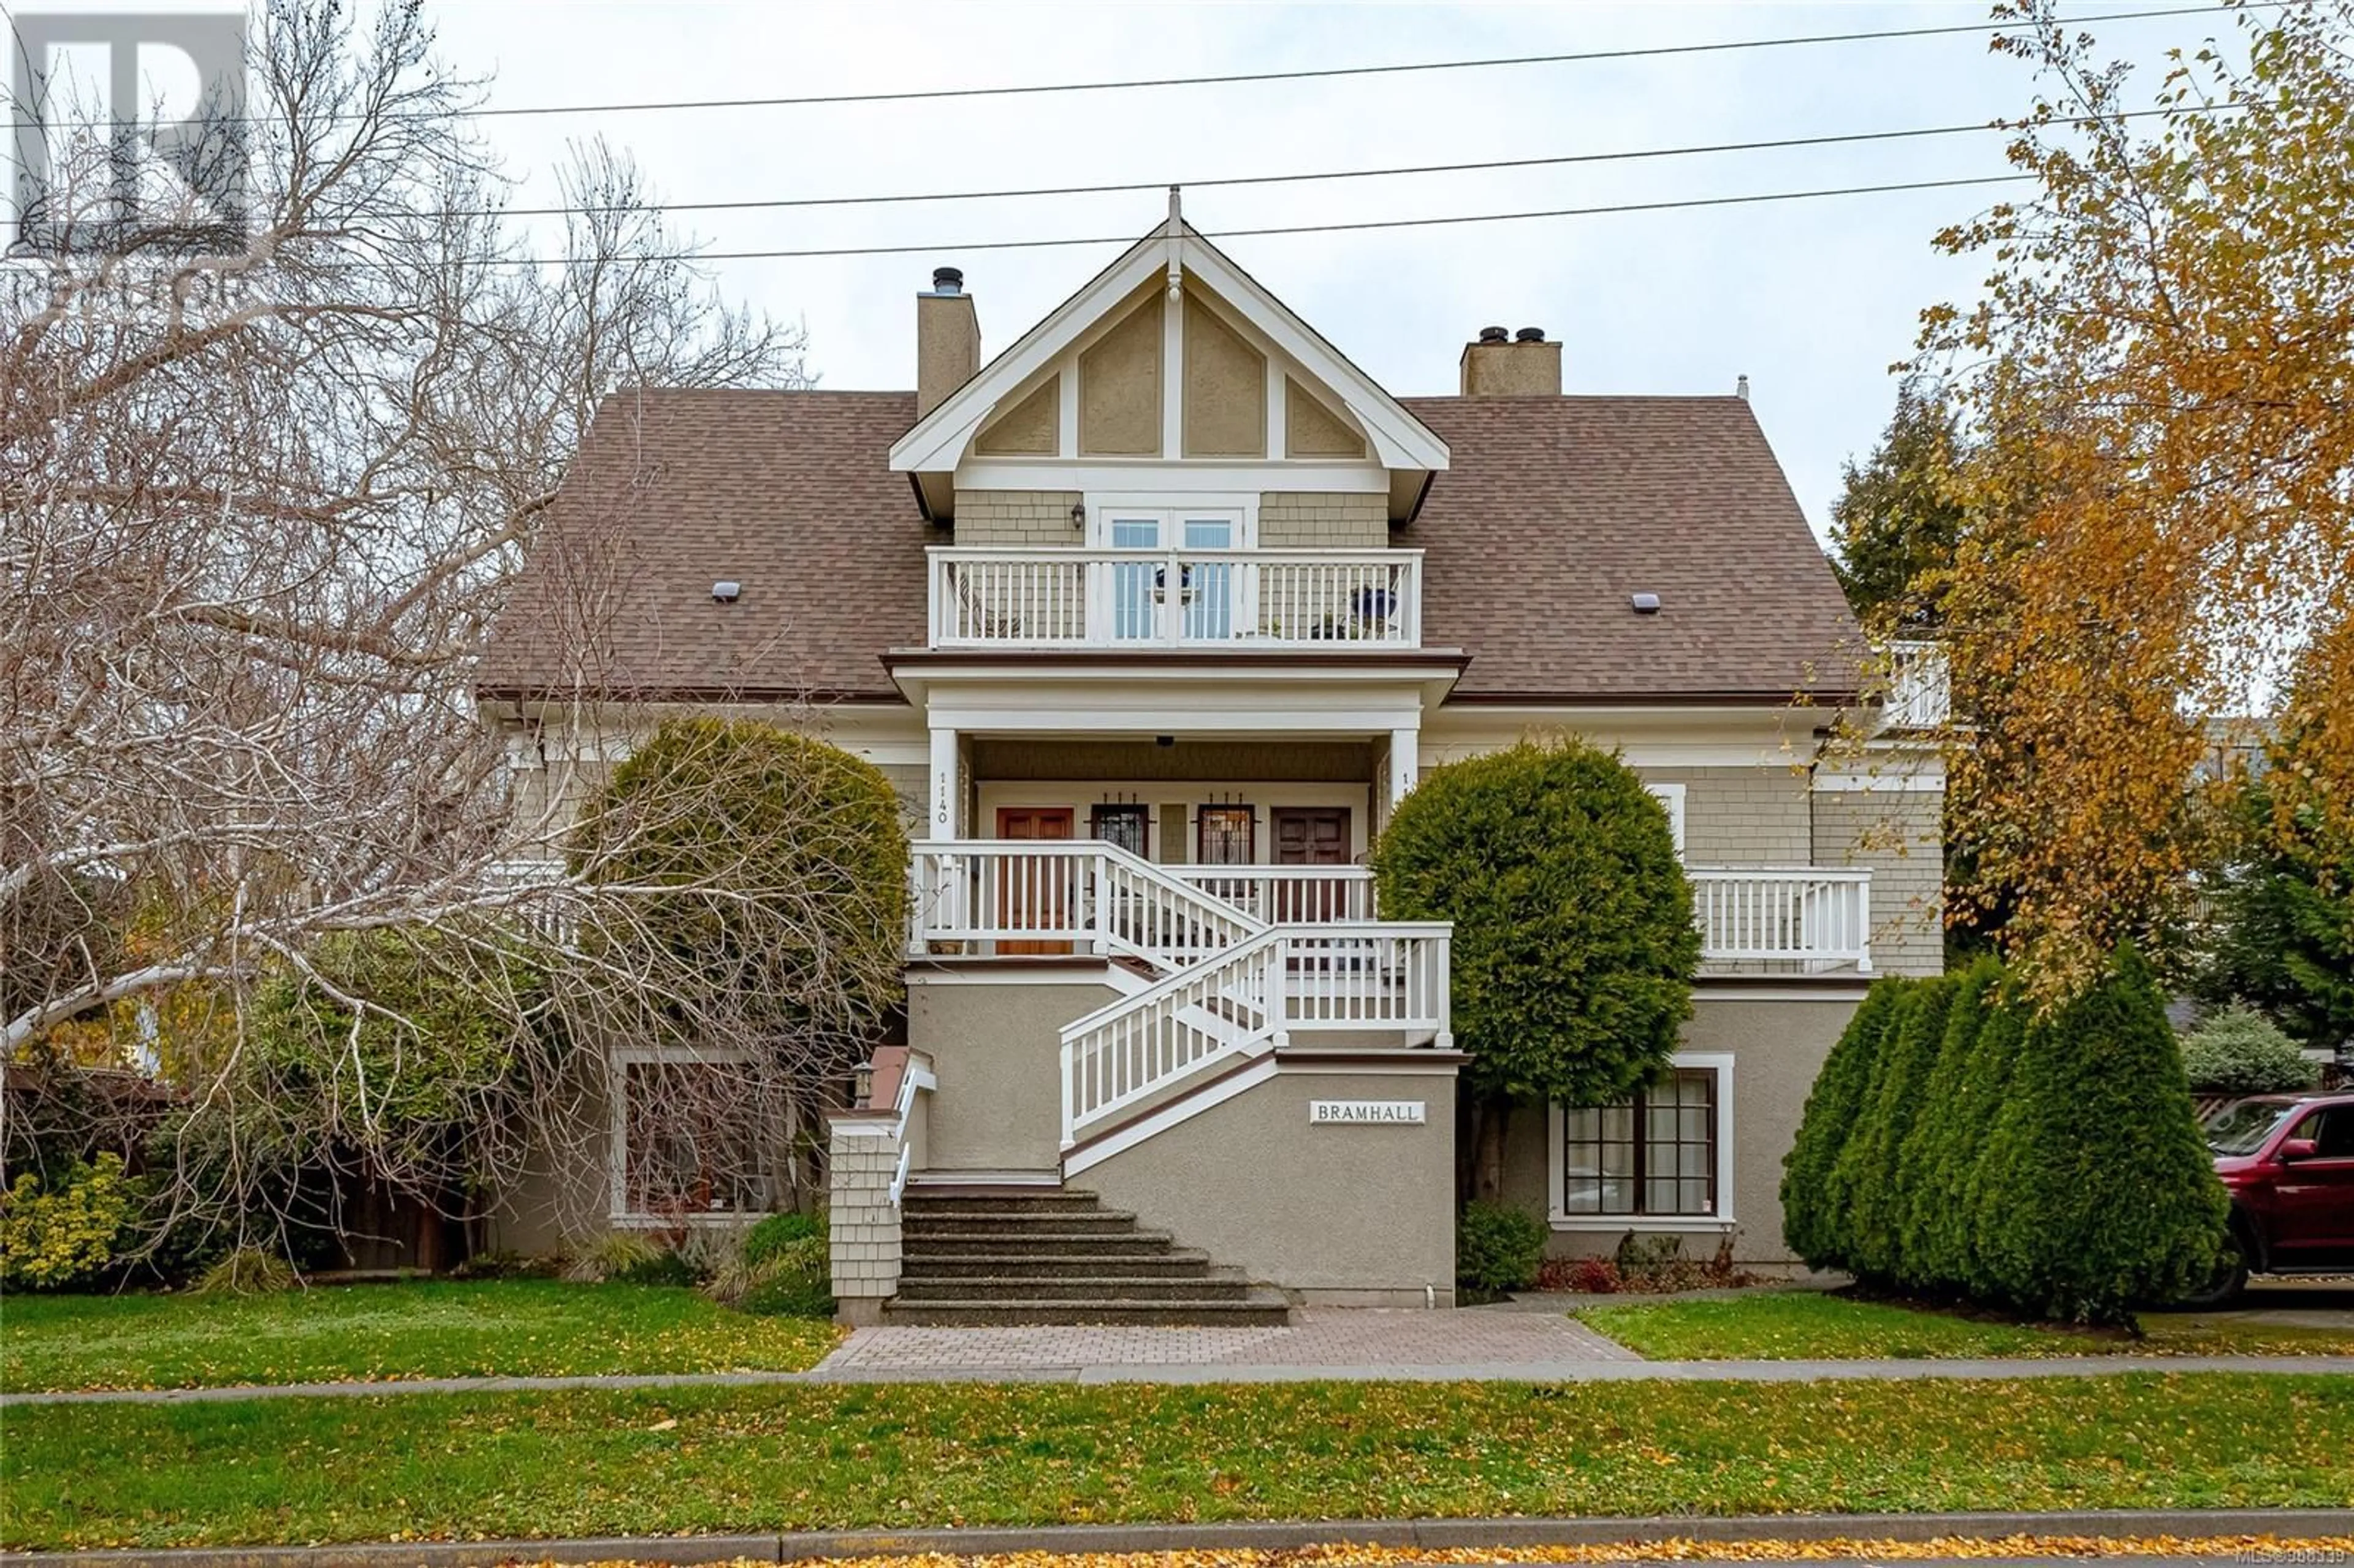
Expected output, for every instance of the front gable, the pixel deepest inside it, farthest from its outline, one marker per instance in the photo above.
(1171, 371)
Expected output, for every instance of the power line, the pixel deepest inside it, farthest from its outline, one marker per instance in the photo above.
(1019, 89)
(1481, 167)
(1651, 51)
(1452, 219)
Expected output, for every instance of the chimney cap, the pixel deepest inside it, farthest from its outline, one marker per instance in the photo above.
(948, 280)
(1492, 335)
(1529, 334)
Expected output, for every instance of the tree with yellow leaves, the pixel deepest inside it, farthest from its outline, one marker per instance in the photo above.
(2159, 381)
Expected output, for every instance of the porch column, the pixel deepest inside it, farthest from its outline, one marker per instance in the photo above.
(941, 822)
(1406, 756)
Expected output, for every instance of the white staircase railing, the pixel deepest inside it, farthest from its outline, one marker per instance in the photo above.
(1220, 1010)
(1369, 974)
(1079, 895)
(1233, 982)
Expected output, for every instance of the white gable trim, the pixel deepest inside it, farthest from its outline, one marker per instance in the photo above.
(941, 440)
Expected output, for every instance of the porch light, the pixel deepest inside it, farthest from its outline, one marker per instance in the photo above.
(862, 1086)
(1079, 515)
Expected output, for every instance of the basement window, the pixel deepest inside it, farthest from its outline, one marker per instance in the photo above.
(1658, 1160)
(695, 1138)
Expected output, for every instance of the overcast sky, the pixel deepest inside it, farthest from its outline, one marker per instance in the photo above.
(1811, 300)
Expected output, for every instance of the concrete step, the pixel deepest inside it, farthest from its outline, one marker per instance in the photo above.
(966, 1204)
(1170, 1263)
(1260, 1309)
(917, 1244)
(1077, 1223)
(1014, 1290)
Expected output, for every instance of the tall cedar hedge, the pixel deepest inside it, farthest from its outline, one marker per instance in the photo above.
(1957, 1145)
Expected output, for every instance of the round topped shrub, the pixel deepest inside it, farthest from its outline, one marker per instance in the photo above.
(2239, 1051)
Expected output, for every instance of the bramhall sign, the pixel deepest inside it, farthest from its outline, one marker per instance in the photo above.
(1366, 1113)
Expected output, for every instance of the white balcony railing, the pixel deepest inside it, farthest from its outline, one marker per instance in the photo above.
(1047, 599)
(1814, 918)
(1920, 687)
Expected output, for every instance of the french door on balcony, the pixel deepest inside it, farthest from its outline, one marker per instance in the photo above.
(1200, 600)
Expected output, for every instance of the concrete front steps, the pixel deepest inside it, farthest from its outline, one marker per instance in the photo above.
(1032, 1255)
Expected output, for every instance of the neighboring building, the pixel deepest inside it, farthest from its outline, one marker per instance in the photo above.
(1152, 618)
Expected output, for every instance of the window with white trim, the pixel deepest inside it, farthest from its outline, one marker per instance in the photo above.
(1663, 1156)
(695, 1137)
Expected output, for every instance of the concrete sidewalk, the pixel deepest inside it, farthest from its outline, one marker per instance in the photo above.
(1245, 1372)
(2228, 1529)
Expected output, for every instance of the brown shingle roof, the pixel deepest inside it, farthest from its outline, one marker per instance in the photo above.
(790, 494)
(1554, 512)
(1557, 508)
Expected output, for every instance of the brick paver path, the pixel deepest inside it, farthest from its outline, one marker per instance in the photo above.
(1362, 1341)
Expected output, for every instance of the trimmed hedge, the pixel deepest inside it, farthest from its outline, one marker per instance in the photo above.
(1955, 1145)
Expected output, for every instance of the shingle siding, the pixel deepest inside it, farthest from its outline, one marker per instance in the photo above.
(1896, 834)
(1742, 816)
(1016, 518)
(1313, 520)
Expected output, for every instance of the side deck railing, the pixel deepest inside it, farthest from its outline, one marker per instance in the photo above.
(1813, 918)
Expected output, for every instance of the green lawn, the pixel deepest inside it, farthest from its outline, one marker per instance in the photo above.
(1805, 1325)
(899, 1455)
(512, 1327)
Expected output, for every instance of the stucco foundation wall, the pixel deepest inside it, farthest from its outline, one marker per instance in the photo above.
(1343, 1213)
(1777, 1045)
(1022, 517)
(996, 1050)
(1315, 520)
(1897, 833)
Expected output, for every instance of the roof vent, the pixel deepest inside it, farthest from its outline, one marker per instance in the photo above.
(1644, 603)
(1529, 334)
(948, 280)
(727, 590)
(1493, 334)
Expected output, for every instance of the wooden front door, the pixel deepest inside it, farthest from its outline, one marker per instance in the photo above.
(1035, 894)
(1310, 835)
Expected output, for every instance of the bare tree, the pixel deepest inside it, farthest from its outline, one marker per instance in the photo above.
(260, 509)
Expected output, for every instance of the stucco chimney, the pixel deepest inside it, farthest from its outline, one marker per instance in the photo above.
(947, 340)
(1522, 364)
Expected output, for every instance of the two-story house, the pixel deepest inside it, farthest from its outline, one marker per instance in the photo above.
(1153, 617)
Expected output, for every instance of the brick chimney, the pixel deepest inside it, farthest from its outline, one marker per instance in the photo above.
(947, 340)
(1522, 365)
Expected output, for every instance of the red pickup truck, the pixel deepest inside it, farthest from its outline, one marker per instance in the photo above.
(2287, 1160)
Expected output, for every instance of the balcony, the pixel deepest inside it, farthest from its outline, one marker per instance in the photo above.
(1048, 599)
(1920, 687)
(1806, 919)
